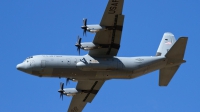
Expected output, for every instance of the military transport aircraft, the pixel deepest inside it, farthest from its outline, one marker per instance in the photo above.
(101, 62)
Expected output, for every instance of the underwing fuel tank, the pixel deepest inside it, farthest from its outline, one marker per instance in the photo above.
(96, 66)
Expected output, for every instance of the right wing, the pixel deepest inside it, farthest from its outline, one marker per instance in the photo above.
(89, 90)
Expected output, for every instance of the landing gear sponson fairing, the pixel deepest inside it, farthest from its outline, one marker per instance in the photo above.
(101, 63)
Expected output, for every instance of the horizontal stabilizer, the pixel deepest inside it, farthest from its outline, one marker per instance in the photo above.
(166, 75)
(177, 51)
(174, 60)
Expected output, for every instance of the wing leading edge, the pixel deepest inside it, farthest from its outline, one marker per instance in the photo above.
(89, 91)
(109, 39)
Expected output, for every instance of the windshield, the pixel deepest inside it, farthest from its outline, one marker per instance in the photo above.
(28, 58)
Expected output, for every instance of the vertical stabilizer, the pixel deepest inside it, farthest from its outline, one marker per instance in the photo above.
(166, 43)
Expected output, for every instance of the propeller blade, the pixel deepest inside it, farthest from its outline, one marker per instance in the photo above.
(61, 96)
(84, 27)
(61, 85)
(77, 48)
(67, 81)
(84, 32)
(84, 21)
(78, 44)
(79, 51)
(61, 90)
(79, 41)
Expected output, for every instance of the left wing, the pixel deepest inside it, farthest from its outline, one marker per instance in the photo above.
(109, 40)
(89, 90)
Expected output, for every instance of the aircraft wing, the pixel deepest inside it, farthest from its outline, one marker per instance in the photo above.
(109, 40)
(89, 90)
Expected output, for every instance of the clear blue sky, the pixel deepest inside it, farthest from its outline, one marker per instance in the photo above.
(30, 27)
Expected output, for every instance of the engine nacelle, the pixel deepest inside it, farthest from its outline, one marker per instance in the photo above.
(95, 28)
(94, 31)
(70, 91)
(71, 94)
(89, 46)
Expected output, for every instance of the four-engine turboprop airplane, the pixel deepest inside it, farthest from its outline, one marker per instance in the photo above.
(101, 62)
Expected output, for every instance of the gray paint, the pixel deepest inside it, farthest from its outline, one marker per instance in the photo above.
(166, 43)
(87, 67)
(92, 70)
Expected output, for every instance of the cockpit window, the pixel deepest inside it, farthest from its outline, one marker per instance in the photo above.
(29, 57)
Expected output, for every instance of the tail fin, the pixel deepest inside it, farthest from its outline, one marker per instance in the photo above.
(166, 43)
(174, 60)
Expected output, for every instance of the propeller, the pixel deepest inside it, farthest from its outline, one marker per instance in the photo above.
(84, 27)
(78, 44)
(61, 91)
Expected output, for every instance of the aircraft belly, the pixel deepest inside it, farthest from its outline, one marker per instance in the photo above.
(42, 72)
(46, 72)
(91, 75)
(72, 73)
(117, 74)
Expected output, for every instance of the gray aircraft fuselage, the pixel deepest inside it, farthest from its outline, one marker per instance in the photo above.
(90, 68)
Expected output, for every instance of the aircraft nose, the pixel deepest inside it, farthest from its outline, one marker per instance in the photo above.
(20, 67)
